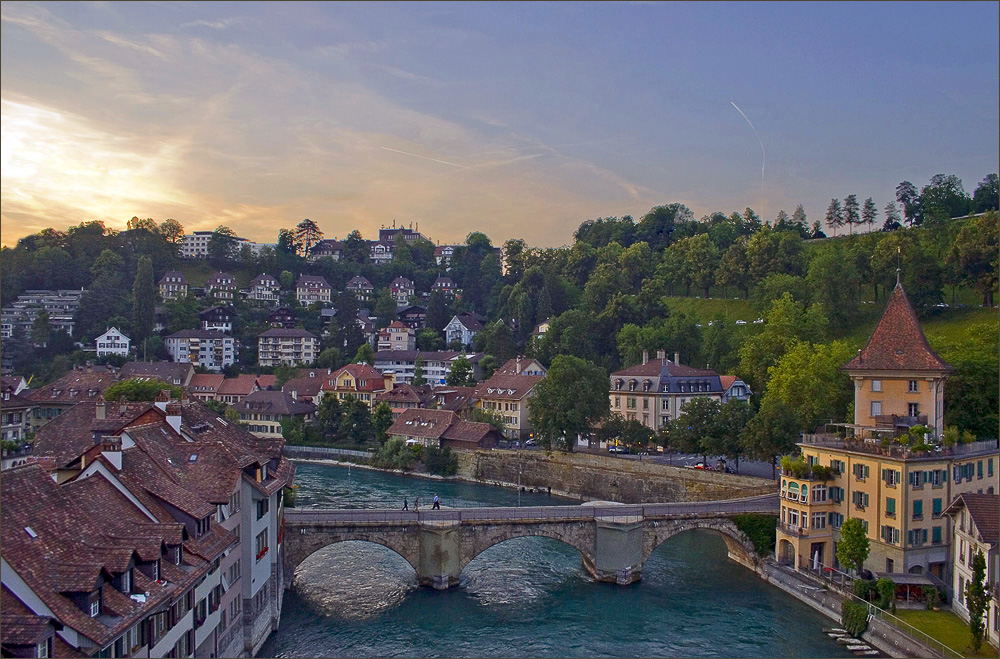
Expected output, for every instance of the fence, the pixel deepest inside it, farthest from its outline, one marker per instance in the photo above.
(845, 583)
(321, 452)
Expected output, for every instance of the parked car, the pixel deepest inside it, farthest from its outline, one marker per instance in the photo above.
(741, 322)
(529, 442)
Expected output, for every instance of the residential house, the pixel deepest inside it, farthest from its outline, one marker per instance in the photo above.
(414, 317)
(402, 290)
(508, 396)
(898, 378)
(367, 326)
(446, 286)
(463, 327)
(208, 349)
(733, 388)
(161, 319)
(358, 380)
(461, 400)
(305, 389)
(173, 285)
(61, 305)
(112, 342)
(233, 390)
(221, 286)
(976, 527)
(263, 411)
(436, 364)
(312, 289)
(287, 346)
(326, 317)
(326, 248)
(381, 251)
(15, 415)
(264, 290)
(443, 254)
(80, 384)
(541, 328)
(219, 318)
(521, 365)
(409, 234)
(441, 429)
(178, 374)
(655, 391)
(282, 317)
(397, 336)
(205, 386)
(361, 287)
(405, 396)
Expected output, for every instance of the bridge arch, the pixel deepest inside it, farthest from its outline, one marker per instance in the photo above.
(580, 537)
(739, 546)
(300, 547)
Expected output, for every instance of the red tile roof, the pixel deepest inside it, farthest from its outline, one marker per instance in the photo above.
(372, 378)
(241, 385)
(75, 386)
(984, 509)
(507, 387)
(426, 424)
(205, 382)
(898, 342)
(72, 433)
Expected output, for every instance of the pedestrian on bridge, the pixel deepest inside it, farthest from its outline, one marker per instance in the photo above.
(416, 504)
(437, 503)
(405, 504)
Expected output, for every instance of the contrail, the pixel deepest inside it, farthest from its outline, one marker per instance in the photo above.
(405, 153)
(763, 161)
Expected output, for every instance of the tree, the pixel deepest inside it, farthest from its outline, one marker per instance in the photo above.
(852, 215)
(977, 595)
(172, 231)
(437, 311)
(143, 300)
(892, 218)
(808, 380)
(773, 431)
(974, 253)
(853, 546)
(106, 296)
(944, 198)
(834, 215)
(307, 234)
(355, 249)
(696, 429)
(987, 195)
(869, 213)
(286, 242)
(330, 358)
(418, 373)
(328, 417)
(799, 219)
(41, 330)
(568, 401)
(222, 246)
(460, 373)
(734, 416)
(147, 224)
(909, 199)
(381, 421)
(365, 354)
(734, 270)
(385, 308)
(283, 373)
(136, 390)
(356, 422)
(429, 339)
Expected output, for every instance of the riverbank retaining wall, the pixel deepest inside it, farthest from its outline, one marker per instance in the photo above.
(596, 477)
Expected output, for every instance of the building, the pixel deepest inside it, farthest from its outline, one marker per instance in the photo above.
(282, 317)
(61, 305)
(310, 290)
(442, 429)
(402, 290)
(414, 317)
(80, 384)
(264, 290)
(361, 287)
(326, 248)
(15, 415)
(397, 336)
(178, 374)
(409, 234)
(219, 318)
(194, 245)
(463, 328)
(205, 386)
(976, 522)
(381, 251)
(734, 388)
(263, 411)
(508, 395)
(173, 285)
(367, 327)
(208, 349)
(461, 400)
(521, 365)
(541, 328)
(898, 378)
(307, 389)
(358, 380)
(112, 342)
(655, 391)
(221, 286)
(446, 286)
(286, 346)
(443, 254)
(405, 396)
(233, 390)
(436, 364)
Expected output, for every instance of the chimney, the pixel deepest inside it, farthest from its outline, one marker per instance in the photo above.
(661, 354)
(389, 380)
(111, 448)
(677, 358)
(645, 356)
(100, 410)
(173, 411)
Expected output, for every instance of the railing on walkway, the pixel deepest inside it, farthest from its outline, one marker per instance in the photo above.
(846, 581)
(301, 451)
(762, 504)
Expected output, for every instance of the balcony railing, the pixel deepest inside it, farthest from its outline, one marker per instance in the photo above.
(790, 529)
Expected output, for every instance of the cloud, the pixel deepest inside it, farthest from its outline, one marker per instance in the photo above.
(215, 25)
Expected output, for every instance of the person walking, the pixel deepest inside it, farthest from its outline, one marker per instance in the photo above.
(416, 504)
(405, 504)
(437, 503)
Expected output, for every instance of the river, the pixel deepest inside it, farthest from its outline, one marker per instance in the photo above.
(527, 597)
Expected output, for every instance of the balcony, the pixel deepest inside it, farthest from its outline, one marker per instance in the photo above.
(793, 530)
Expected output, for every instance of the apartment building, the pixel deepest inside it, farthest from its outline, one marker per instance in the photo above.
(209, 349)
(264, 289)
(397, 336)
(61, 305)
(310, 290)
(81, 384)
(436, 364)
(112, 342)
(508, 395)
(219, 318)
(263, 411)
(221, 286)
(172, 285)
(976, 522)
(194, 245)
(287, 346)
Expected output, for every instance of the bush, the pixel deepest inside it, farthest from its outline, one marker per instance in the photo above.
(440, 461)
(886, 589)
(854, 618)
(865, 589)
(760, 529)
(393, 455)
(933, 597)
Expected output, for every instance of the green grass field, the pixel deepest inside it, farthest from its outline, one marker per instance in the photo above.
(947, 628)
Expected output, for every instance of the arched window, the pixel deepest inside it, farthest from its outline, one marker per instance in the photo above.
(805, 494)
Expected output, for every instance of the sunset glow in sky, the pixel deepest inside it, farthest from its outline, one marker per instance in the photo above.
(519, 120)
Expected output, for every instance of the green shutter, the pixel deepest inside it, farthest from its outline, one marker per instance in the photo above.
(936, 506)
(890, 506)
(918, 508)
(936, 534)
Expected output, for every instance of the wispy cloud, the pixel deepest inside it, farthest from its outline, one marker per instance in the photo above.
(215, 25)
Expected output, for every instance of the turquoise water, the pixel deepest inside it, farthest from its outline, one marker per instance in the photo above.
(527, 597)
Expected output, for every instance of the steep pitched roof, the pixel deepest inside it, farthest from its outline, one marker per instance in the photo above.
(206, 382)
(359, 282)
(984, 509)
(274, 402)
(166, 371)
(406, 393)
(72, 433)
(507, 387)
(898, 342)
(372, 378)
(75, 386)
(241, 385)
(304, 387)
(427, 424)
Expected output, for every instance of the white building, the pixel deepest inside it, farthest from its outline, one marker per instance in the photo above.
(195, 245)
(975, 529)
(287, 346)
(264, 288)
(464, 327)
(209, 349)
(112, 342)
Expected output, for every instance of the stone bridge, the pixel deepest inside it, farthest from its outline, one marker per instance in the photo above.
(614, 540)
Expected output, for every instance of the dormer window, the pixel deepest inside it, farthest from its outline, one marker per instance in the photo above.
(126, 582)
(95, 607)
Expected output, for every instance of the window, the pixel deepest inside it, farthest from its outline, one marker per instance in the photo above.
(838, 466)
(861, 472)
(859, 499)
(126, 582)
(890, 535)
(95, 608)
(891, 477)
(912, 387)
(918, 510)
(262, 507)
(876, 407)
(979, 469)
(630, 402)
(262, 544)
(913, 409)
(42, 649)
(234, 572)
(618, 401)
(876, 385)
(819, 520)
(836, 520)
(936, 535)
(819, 494)
(890, 507)
(235, 607)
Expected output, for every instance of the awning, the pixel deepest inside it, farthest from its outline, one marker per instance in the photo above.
(909, 579)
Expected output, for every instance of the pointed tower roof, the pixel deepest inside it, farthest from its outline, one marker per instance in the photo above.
(898, 343)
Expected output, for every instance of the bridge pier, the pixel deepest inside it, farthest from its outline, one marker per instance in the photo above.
(440, 555)
(617, 550)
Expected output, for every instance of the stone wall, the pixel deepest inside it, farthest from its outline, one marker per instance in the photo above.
(596, 477)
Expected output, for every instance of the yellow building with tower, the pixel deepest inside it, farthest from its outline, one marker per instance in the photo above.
(899, 490)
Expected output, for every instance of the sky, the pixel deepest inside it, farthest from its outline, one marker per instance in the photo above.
(521, 120)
